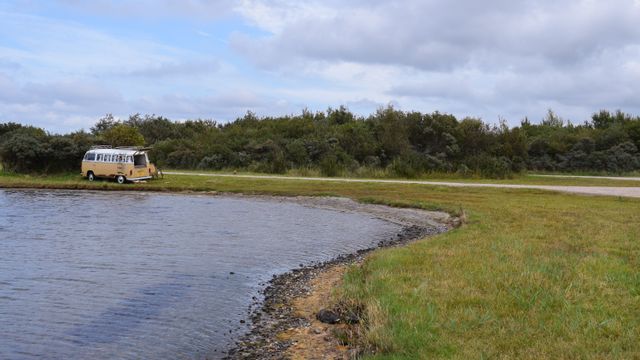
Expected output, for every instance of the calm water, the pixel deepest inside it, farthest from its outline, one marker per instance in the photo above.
(135, 275)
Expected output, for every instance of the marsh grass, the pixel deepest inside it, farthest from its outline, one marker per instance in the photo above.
(532, 274)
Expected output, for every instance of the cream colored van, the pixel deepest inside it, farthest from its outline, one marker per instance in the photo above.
(121, 164)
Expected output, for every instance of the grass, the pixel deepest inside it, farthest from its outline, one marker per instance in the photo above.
(531, 275)
(522, 179)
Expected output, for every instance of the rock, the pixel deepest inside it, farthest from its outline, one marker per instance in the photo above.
(351, 318)
(328, 317)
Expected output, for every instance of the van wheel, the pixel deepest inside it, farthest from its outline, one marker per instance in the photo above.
(90, 176)
(120, 179)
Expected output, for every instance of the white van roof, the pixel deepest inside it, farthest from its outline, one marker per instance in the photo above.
(117, 151)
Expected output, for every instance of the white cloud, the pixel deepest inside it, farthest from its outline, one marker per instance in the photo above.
(485, 58)
(489, 59)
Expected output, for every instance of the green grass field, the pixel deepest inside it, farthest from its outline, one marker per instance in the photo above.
(532, 274)
(520, 179)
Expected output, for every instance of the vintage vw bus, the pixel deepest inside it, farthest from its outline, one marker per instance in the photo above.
(121, 163)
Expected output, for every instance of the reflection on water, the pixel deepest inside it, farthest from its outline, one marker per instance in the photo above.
(136, 275)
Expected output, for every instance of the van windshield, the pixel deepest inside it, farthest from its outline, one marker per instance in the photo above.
(140, 160)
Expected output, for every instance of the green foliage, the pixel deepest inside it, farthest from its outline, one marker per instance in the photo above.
(28, 149)
(337, 142)
(490, 166)
(329, 165)
(123, 135)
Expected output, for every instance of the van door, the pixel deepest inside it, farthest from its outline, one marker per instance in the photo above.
(120, 165)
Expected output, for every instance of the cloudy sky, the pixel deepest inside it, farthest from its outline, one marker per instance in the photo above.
(65, 63)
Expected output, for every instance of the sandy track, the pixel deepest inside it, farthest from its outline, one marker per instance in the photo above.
(623, 178)
(633, 192)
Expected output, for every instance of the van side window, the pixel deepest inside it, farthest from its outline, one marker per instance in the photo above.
(129, 158)
(100, 157)
(90, 156)
(107, 158)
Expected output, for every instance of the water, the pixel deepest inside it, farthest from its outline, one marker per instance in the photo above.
(139, 275)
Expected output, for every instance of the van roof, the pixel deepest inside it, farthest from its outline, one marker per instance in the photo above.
(117, 151)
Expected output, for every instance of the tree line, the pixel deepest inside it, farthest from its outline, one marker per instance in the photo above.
(336, 142)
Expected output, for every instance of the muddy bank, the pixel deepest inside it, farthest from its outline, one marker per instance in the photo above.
(284, 324)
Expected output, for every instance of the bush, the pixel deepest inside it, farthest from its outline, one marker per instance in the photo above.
(464, 171)
(409, 165)
(26, 150)
(213, 162)
(405, 144)
(23, 152)
(182, 159)
(330, 166)
(491, 167)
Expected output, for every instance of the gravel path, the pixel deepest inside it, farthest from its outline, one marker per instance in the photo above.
(633, 192)
(588, 177)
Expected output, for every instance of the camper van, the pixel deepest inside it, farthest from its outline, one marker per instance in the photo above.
(121, 164)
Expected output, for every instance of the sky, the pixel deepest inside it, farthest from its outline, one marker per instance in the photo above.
(66, 63)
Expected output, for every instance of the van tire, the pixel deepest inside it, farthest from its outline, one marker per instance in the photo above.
(90, 176)
(120, 179)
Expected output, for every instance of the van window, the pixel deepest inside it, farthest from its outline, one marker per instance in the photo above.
(140, 160)
(99, 157)
(90, 156)
(129, 158)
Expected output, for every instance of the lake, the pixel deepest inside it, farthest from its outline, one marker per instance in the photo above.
(135, 275)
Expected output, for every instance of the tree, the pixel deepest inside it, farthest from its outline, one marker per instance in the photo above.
(104, 123)
(123, 135)
(552, 120)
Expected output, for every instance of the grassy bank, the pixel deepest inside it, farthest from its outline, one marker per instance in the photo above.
(520, 179)
(73, 180)
(533, 274)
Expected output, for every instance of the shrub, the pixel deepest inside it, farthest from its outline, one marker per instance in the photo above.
(491, 167)
(330, 166)
(214, 162)
(409, 165)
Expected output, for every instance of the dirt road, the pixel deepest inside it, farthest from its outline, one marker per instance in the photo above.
(622, 178)
(633, 192)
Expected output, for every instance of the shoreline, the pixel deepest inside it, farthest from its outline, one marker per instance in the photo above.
(518, 254)
(275, 322)
(285, 322)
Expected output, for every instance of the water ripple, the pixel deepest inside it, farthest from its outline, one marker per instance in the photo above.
(132, 275)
